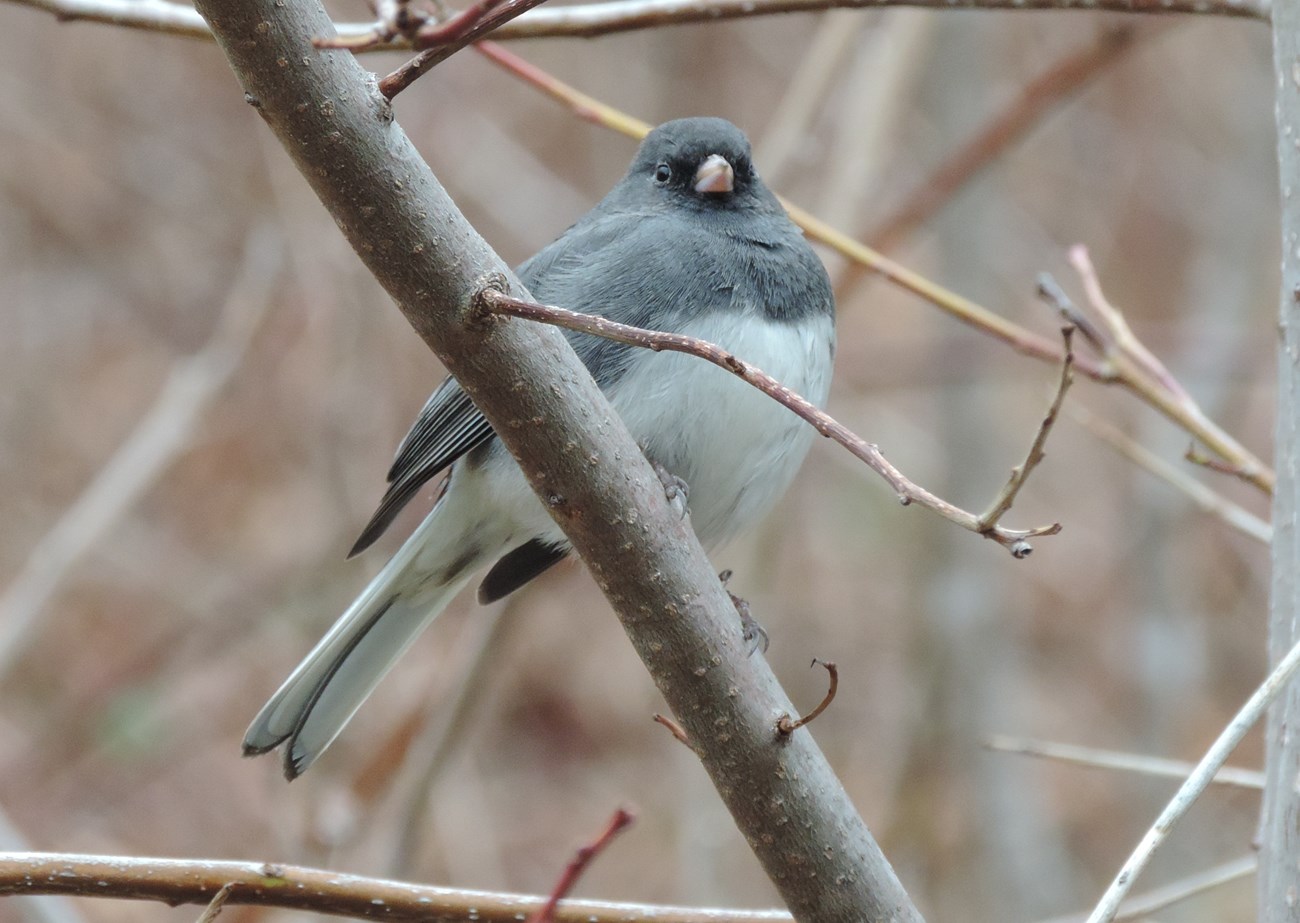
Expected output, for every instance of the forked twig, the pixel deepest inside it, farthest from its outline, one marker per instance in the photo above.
(1016, 541)
(1197, 782)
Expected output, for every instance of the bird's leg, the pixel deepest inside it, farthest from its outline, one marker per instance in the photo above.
(675, 489)
(755, 635)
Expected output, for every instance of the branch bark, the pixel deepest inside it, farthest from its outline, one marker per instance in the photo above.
(596, 19)
(1279, 876)
(575, 451)
(263, 884)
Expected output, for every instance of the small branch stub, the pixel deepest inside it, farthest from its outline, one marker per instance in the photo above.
(785, 725)
(673, 728)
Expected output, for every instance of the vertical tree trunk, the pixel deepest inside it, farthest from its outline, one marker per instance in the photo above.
(1279, 878)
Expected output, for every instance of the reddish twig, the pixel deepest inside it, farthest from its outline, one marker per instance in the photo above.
(1014, 540)
(621, 820)
(1126, 361)
(443, 40)
(785, 725)
(673, 728)
(1197, 457)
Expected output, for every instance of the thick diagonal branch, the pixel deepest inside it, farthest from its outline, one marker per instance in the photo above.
(574, 451)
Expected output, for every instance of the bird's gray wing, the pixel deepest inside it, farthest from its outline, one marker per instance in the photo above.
(448, 427)
(601, 265)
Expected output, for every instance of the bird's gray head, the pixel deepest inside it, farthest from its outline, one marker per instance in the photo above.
(702, 163)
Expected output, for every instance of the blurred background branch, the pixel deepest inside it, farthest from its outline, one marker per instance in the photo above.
(1138, 628)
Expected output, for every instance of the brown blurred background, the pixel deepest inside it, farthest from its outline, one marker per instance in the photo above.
(147, 216)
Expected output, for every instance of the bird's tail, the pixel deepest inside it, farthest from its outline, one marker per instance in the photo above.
(327, 688)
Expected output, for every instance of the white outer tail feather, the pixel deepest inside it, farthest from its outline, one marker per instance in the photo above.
(325, 691)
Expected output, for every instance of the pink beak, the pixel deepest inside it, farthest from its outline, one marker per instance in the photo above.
(714, 175)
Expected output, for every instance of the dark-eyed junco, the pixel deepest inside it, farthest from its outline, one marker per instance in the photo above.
(689, 241)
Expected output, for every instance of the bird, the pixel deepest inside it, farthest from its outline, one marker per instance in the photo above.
(689, 241)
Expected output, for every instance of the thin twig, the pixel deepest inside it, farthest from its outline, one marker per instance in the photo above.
(195, 881)
(1126, 361)
(1157, 899)
(1014, 540)
(1141, 371)
(395, 20)
(1197, 457)
(621, 820)
(1196, 783)
(1206, 499)
(673, 728)
(1020, 473)
(785, 725)
(1122, 336)
(213, 910)
(1050, 291)
(1124, 762)
(614, 16)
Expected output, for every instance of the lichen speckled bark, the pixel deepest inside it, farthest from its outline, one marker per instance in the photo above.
(325, 110)
(1279, 869)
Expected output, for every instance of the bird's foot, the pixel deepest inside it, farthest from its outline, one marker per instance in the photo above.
(754, 634)
(675, 489)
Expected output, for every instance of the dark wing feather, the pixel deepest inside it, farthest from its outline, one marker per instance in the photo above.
(448, 427)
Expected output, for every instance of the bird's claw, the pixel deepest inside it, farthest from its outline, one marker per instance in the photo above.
(675, 489)
(754, 634)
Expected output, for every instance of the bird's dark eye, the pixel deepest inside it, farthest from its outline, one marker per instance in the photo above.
(663, 173)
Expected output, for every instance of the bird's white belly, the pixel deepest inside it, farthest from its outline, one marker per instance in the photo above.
(736, 448)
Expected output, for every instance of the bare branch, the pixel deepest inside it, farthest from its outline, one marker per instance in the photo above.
(1125, 762)
(1126, 361)
(613, 16)
(1206, 499)
(1196, 784)
(1157, 899)
(1020, 473)
(197, 881)
(1014, 540)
